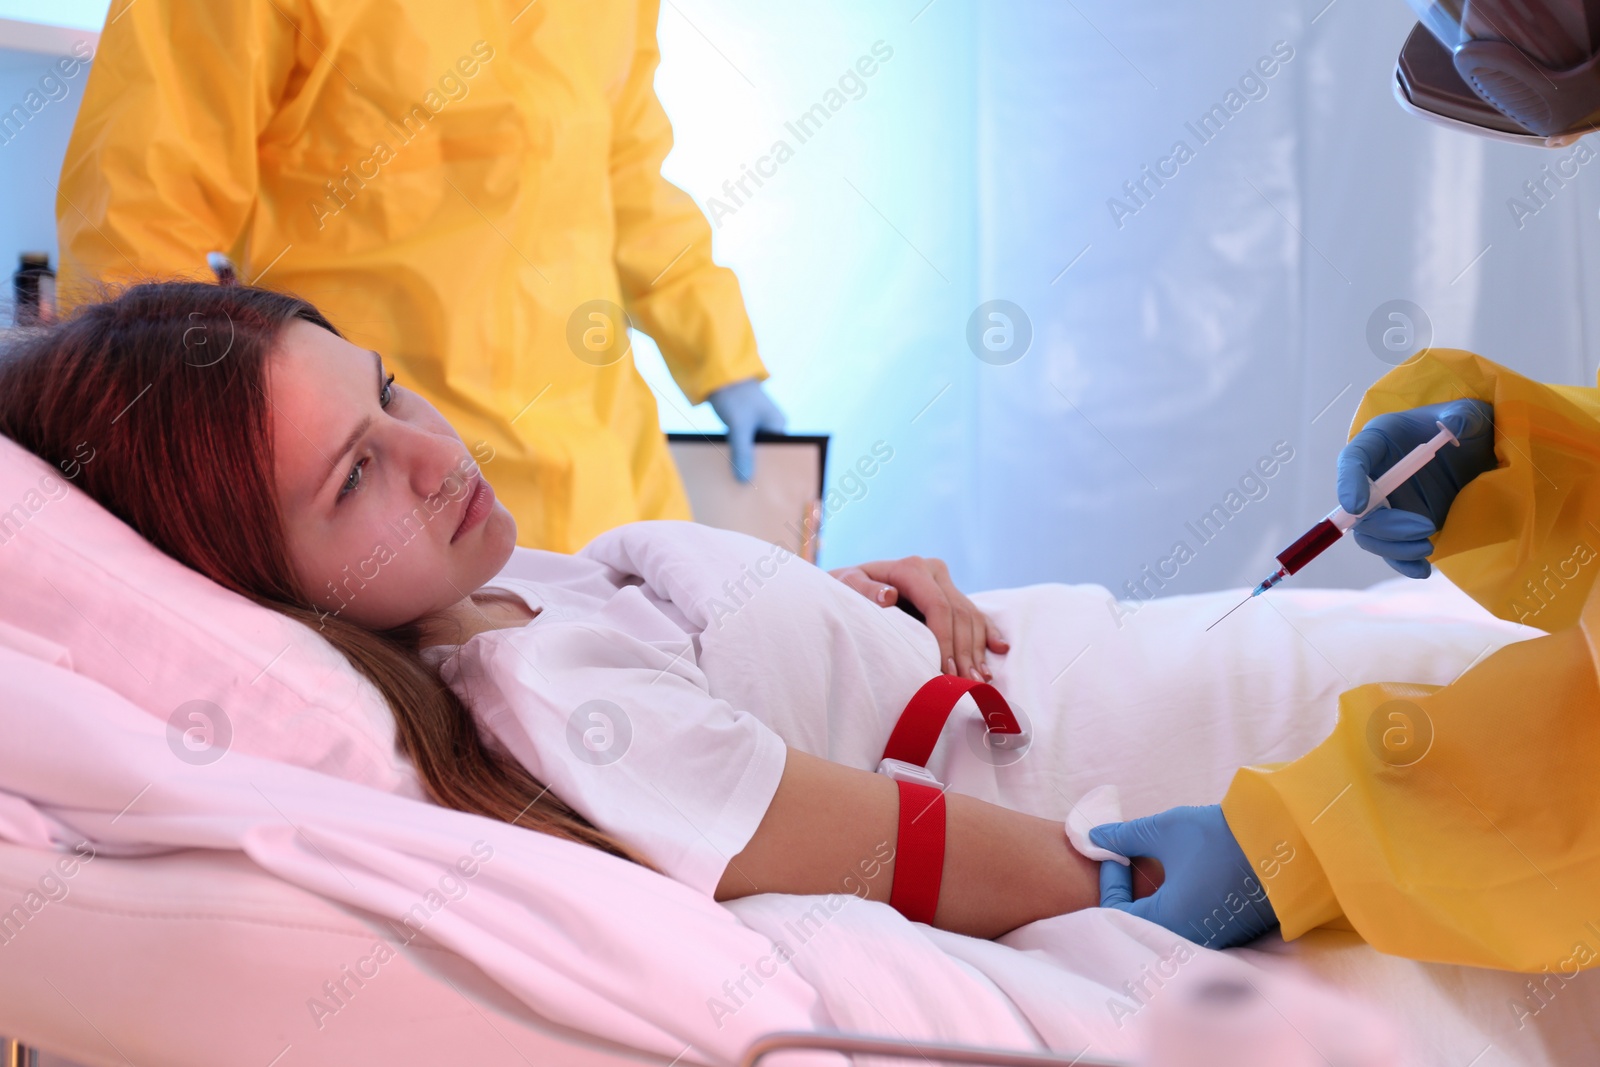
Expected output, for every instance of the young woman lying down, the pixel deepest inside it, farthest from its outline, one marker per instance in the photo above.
(684, 697)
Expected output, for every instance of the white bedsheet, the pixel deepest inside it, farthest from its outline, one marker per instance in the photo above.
(600, 944)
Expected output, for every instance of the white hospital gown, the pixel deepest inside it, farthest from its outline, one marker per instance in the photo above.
(672, 662)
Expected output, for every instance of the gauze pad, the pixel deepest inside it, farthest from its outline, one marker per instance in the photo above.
(1095, 808)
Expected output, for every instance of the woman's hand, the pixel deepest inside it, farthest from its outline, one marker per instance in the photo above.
(965, 634)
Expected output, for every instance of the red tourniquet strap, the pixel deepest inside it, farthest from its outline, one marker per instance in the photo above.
(919, 852)
(918, 730)
(919, 846)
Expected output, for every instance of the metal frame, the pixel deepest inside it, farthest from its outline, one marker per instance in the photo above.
(837, 1041)
(16, 1054)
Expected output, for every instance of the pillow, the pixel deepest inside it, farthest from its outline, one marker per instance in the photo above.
(84, 589)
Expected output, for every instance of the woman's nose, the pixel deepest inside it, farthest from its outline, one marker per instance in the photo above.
(438, 464)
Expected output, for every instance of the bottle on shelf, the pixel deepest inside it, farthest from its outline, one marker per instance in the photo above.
(34, 286)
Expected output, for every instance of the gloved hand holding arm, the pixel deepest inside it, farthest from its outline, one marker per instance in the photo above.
(1210, 894)
(1400, 533)
(744, 407)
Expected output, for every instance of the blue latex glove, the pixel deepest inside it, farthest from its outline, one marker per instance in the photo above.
(1400, 532)
(744, 407)
(1210, 895)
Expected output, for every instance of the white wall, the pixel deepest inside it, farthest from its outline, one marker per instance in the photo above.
(37, 109)
(74, 14)
(858, 260)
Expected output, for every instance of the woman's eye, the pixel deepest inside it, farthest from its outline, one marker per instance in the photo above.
(353, 480)
(385, 396)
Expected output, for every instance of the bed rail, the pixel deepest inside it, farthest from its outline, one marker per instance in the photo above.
(927, 1051)
(16, 1054)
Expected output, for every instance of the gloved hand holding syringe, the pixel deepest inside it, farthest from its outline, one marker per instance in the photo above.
(1326, 533)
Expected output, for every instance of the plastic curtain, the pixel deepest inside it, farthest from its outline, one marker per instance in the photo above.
(1203, 318)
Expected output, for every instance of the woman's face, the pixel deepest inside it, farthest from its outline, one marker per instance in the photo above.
(373, 484)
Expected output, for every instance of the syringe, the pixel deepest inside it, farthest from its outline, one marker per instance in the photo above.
(1317, 540)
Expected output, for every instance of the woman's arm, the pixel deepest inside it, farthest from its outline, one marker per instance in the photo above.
(829, 825)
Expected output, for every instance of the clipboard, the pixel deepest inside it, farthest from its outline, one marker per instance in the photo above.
(782, 503)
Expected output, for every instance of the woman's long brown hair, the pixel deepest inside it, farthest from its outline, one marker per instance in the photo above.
(167, 382)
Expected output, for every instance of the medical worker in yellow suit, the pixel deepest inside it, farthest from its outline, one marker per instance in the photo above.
(1456, 823)
(472, 188)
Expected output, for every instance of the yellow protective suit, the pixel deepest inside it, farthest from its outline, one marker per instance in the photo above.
(1462, 823)
(450, 183)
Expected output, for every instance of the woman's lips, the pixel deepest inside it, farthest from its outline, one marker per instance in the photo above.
(478, 505)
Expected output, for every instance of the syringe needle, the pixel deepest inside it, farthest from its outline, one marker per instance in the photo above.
(1231, 610)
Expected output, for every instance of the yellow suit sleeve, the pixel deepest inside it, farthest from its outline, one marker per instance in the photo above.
(1457, 823)
(161, 166)
(1511, 531)
(673, 289)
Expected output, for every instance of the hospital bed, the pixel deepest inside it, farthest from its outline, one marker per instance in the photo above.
(204, 943)
(203, 956)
